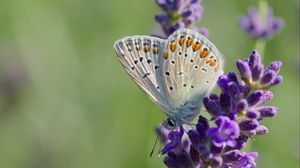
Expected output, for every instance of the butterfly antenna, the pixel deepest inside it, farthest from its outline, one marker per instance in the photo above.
(159, 151)
(153, 148)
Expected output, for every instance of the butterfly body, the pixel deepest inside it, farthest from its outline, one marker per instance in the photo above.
(175, 73)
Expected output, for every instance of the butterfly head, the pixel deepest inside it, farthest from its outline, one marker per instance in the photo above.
(171, 123)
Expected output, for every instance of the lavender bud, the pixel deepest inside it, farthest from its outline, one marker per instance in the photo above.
(254, 98)
(267, 96)
(223, 82)
(194, 137)
(179, 25)
(254, 59)
(252, 114)
(268, 111)
(244, 69)
(268, 77)
(232, 77)
(214, 97)
(241, 105)
(233, 89)
(213, 108)
(225, 101)
(162, 4)
(257, 72)
(187, 13)
(161, 19)
(275, 66)
(177, 4)
(232, 156)
(261, 130)
(248, 125)
(244, 89)
(276, 81)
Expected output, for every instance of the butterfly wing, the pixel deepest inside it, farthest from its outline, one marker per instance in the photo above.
(141, 57)
(190, 67)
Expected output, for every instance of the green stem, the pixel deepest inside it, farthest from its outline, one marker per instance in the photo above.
(262, 10)
(260, 44)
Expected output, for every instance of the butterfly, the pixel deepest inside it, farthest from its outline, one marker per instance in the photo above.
(175, 73)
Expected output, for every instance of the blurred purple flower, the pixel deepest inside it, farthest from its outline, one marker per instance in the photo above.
(260, 28)
(12, 82)
(178, 14)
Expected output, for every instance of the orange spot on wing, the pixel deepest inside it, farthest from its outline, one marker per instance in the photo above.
(180, 42)
(203, 53)
(165, 55)
(172, 47)
(211, 63)
(188, 42)
(155, 51)
(146, 49)
(196, 47)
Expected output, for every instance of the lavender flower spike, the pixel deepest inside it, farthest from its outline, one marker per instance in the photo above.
(178, 14)
(253, 73)
(236, 111)
(260, 28)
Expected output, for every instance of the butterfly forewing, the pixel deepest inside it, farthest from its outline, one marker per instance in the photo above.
(141, 57)
(190, 67)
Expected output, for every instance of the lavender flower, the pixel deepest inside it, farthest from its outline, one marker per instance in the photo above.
(254, 75)
(260, 27)
(225, 133)
(246, 161)
(175, 141)
(179, 14)
(236, 111)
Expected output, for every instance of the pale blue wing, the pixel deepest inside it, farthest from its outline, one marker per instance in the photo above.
(191, 67)
(141, 58)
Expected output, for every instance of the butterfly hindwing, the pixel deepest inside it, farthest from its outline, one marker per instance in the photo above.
(141, 57)
(191, 66)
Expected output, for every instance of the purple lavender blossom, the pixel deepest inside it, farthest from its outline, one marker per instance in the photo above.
(175, 141)
(236, 111)
(246, 161)
(260, 28)
(225, 133)
(179, 14)
(254, 75)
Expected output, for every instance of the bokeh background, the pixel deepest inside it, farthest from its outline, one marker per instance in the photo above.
(65, 101)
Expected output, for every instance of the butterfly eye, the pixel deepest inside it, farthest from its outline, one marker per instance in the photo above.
(170, 122)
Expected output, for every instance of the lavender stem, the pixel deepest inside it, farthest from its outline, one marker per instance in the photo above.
(260, 44)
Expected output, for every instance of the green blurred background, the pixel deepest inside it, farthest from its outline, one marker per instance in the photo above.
(65, 101)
